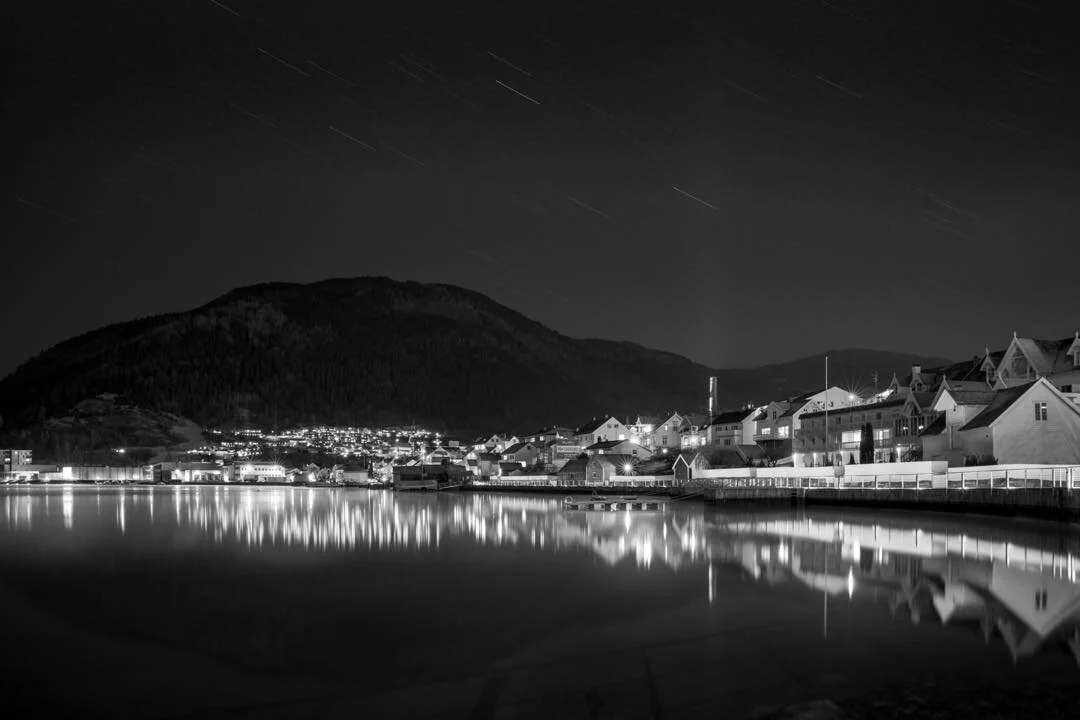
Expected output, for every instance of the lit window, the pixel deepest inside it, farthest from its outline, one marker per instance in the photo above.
(1040, 412)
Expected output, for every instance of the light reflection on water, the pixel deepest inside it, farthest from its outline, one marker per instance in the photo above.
(1018, 584)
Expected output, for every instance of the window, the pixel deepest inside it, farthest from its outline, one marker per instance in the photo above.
(1076, 359)
(784, 431)
(883, 434)
(727, 441)
(1040, 412)
(851, 436)
(766, 431)
(1040, 599)
(878, 416)
(1066, 388)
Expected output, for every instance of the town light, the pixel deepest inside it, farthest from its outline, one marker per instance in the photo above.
(627, 468)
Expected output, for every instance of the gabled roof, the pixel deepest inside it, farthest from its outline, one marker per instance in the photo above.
(618, 461)
(1047, 357)
(669, 417)
(518, 447)
(731, 416)
(921, 400)
(869, 407)
(935, 428)
(605, 444)
(594, 424)
(490, 457)
(972, 397)
(1002, 401)
(556, 429)
(577, 464)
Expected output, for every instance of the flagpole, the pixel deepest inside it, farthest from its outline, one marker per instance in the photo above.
(827, 407)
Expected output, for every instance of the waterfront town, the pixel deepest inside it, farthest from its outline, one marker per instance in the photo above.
(1019, 405)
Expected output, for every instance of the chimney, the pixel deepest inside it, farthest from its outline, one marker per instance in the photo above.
(916, 371)
(712, 396)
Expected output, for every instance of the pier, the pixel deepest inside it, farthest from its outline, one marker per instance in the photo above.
(613, 504)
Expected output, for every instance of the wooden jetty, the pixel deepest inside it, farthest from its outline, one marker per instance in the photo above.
(611, 504)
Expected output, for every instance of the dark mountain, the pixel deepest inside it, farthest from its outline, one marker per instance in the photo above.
(377, 351)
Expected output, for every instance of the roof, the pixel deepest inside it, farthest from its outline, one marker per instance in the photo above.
(794, 407)
(490, 457)
(557, 429)
(698, 419)
(577, 464)
(731, 416)
(606, 444)
(858, 408)
(968, 385)
(1002, 401)
(723, 457)
(617, 461)
(963, 370)
(972, 397)
(592, 425)
(508, 467)
(923, 399)
(1047, 357)
(517, 447)
(935, 428)
(804, 397)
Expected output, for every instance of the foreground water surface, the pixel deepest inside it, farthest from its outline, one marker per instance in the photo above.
(305, 602)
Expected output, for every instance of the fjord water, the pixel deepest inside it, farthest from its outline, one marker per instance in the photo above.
(313, 602)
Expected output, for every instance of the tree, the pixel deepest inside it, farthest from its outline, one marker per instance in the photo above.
(866, 445)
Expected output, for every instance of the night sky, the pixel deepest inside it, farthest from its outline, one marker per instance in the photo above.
(739, 182)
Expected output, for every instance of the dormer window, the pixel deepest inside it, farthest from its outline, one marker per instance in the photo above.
(1076, 358)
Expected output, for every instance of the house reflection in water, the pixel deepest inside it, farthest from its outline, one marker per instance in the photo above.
(1027, 596)
(1017, 584)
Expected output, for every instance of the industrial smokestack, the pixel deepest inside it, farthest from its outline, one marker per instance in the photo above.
(712, 396)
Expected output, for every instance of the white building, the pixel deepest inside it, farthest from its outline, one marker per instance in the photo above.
(733, 428)
(599, 430)
(665, 436)
(256, 472)
(1027, 359)
(1034, 423)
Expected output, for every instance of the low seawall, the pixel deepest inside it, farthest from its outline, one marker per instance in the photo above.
(1056, 503)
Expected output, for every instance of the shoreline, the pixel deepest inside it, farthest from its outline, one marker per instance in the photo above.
(1054, 505)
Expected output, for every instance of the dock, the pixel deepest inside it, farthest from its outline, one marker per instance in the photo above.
(613, 504)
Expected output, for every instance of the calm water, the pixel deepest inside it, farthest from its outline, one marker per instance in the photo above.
(297, 602)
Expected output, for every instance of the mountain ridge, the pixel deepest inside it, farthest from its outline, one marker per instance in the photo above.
(373, 350)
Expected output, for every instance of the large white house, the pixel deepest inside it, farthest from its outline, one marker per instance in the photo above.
(732, 428)
(1032, 423)
(600, 430)
(665, 436)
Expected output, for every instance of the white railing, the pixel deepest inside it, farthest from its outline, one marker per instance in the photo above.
(899, 476)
